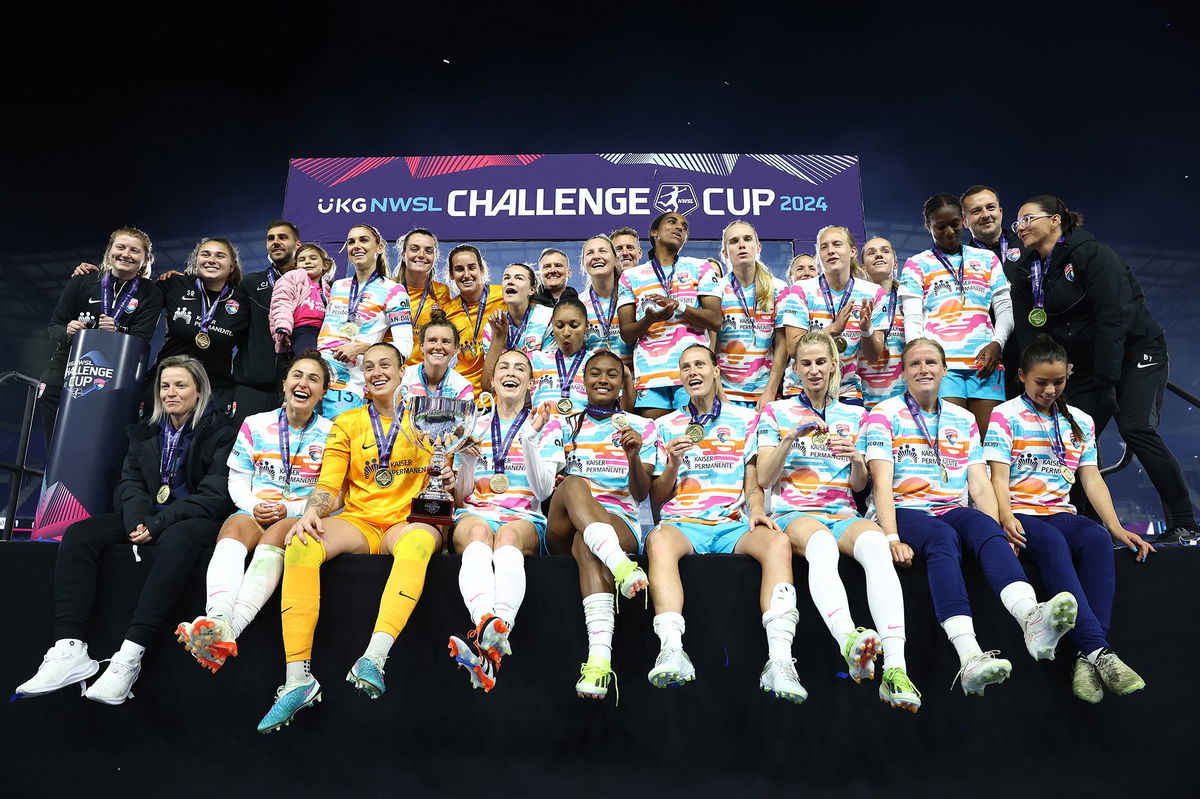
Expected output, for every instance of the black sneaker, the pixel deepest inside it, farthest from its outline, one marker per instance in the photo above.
(1182, 535)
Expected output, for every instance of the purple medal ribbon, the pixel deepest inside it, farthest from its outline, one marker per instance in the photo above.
(706, 418)
(599, 413)
(808, 404)
(441, 387)
(170, 444)
(892, 302)
(1003, 246)
(741, 296)
(424, 297)
(500, 450)
(918, 416)
(115, 312)
(515, 333)
(605, 325)
(828, 294)
(663, 280)
(565, 379)
(285, 449)
(356, 296)
(271, 277)
(209, 311)
(483, 298)
(960, 275)
(384, 444)
(1037, 276)
(1057, 445)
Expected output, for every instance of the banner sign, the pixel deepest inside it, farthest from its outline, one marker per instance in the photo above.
(573, 197)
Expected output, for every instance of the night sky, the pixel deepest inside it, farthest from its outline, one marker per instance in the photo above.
(183, 124)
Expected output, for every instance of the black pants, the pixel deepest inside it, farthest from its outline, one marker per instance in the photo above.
(1139, 399)
(255, 399)
(49, 403)
(176, 551)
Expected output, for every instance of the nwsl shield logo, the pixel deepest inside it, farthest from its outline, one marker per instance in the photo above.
(676, 198)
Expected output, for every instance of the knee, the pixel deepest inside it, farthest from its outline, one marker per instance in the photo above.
(416, 544)
(943, 543)
(659, 544)
(821, 546)
(778, 548)
(299, 553)
(505, 537)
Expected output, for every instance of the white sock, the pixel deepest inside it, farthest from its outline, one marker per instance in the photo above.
(600, 617)
(299, 671)
(1094, 655)
(224, 577)
(476, 580)
(780, 621)
(509, 564)
(1018, 599)
(884, 595)
(961, 632)
(259, 582)
(669, 628)
(828, 593)
(130, 652)
(379, 646)
(601, 538)
(73, 643)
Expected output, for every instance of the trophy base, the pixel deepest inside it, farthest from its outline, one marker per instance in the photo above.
(432, 511)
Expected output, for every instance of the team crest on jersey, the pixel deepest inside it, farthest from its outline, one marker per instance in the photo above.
(531, 342)
(842, 430)
(315, 452)
(951, 436)
(723, 434)
(231, 307)
(1013, 254)
(132, 305)
(1069, 272)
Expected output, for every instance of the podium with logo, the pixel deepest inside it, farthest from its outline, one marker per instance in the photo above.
(101, 392)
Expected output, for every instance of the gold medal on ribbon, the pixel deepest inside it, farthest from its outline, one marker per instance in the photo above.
(1037, 317)
(384, 477)
(945, 474)
(349, 330)
(695, 432)
(164, 493)
(840, 343)
(820, 438)
(498, 483)
(619, 421)
(203, 341)
(565, 405)
(1068, 475)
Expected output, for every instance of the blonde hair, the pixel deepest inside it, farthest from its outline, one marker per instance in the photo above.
(822, 339)
(199, 377)
(764, 282)
(855, 267)
(140, 236)
(612, 249)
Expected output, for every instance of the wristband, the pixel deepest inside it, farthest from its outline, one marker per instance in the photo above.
(892, 538)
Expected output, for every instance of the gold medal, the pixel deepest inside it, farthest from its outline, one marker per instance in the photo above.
(1037, 317)
(384, 477)
(164, 493)
(840, 343)
(820, 438)
(565, 405)
(1068, 475)
(695, 432)
(498, 483)
(203, 341)
(619, 421)
(349, 330)
(945, 474)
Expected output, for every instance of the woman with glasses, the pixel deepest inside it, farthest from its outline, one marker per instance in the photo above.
(1081, 294)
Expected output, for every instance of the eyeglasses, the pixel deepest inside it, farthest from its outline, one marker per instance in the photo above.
(1025, 220)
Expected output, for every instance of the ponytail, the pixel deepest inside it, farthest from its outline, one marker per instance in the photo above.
(1046, 350)
(1049, 204)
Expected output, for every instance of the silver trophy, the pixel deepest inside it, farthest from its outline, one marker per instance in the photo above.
(440, 426)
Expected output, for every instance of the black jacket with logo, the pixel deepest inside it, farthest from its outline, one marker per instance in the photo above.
(182, 309)
(256, 363)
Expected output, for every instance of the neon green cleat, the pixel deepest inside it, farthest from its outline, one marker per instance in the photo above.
(898, 691)
(630, 579)
(1085, 681)
(860, 652)
(594, 677)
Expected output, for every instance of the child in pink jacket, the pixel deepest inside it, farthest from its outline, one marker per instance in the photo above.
(298, 300)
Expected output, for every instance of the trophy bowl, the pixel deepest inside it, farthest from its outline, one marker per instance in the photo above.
(440, 425)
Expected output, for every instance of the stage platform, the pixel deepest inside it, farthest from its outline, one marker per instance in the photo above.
(191, 733)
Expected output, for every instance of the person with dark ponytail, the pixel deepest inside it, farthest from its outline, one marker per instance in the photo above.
(1079, 292)
(1038, 446)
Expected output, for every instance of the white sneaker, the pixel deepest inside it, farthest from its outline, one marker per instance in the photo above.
(779, 679)
(1047, 623)
(63, 664)
(982, 670)
(673, 667)
(115, 683)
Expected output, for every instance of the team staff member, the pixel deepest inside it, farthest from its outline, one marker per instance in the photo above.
(121, 298)
(950, 292)
(601, 271)
(257, 369)
(628, 247)
(173, 495)
(477, 300)
(379, 470)
(554, 270)
(273, 467)
(207, 315)
(924, 457)
(883, 376)
(706, 486)
(1038, 447)
(418, 254)
(1080, 293)
(664, 307)
(521, 325)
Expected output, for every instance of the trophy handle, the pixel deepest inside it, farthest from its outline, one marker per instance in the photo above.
(484, 403)
(400, 406)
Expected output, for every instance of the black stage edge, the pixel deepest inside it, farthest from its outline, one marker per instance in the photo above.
(191, 733)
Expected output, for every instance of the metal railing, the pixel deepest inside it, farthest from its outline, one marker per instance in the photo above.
(18, 469)
(1126, 455)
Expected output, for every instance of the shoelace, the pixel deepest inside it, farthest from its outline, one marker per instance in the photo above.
(900, 680)
(595, 672)
(991, 653)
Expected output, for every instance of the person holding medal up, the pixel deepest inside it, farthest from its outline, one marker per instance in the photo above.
(273, 467)
(377, 469)
(470, 310)
(522, 325)
(360, 311)
(924, 456)
(601, 271)
(505, 471)
(1038, 446)
(593, 513)
(807, 458)
(433, 377)
(172, 495)
(710, 501)
(418, 254)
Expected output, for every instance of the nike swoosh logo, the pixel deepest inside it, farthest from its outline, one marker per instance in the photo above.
(1144, 365)
(895, 626)
(368, 446)
(285, 610)
(92, 301)
(406, 596)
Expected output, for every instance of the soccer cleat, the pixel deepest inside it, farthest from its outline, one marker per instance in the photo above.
(780, 680)
(594, 676)
(367, 676)
(290, 699)
(115, 684)
(62, 665)
(209, 639)
(1117, 677)
(898, 691)
(491, 637)
(478, 665)
(1085, 681)
(982, 670)
(1047, 623)
(860, 651)
(630, 579)
(672, 667)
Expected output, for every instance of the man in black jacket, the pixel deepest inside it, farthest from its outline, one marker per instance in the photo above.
(554, 270)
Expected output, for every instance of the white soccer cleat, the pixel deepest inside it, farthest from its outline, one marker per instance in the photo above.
(672, 667)
(983, 670)
(780, 680)
(1047, 623)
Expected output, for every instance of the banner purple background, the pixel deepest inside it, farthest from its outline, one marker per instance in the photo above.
(572, 197)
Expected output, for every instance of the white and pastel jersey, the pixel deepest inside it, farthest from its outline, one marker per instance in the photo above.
(883, 378)
(744, 342)
(546, 385)
(534, 336)
(519, 501)
(958, 319)
(256, 465)
(890, 433)
(594, 454)
(709, 487)
(656, 354)
(1021, 436)
(806, 307)
(813, 480)
(415, 383)
(600, 310)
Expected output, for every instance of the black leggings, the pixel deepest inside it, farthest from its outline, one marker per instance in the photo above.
(176, 551)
